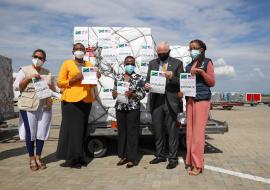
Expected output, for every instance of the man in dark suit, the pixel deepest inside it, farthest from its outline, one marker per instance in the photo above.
(165, 107)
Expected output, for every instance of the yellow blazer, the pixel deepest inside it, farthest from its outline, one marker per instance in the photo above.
(77, 91)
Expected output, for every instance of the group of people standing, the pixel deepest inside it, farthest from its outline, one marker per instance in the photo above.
(77, 98)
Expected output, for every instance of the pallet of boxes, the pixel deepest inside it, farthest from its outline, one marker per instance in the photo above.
(6, 95)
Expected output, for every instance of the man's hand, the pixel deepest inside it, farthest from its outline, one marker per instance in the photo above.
(114, 93)
(169, 75)
(180, 94)
(147, 86)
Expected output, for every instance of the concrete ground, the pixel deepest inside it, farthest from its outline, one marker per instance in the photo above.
(238, 159)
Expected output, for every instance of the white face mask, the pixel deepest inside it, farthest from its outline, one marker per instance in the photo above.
(79, 54)
(37, 62)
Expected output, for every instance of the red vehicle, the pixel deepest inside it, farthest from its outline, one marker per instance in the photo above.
(253, 98)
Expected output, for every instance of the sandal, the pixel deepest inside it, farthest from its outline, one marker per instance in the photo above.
(188, 167)
(122, 162)
(195, 171)
(129, 165)
(40, 164)
(33, 165)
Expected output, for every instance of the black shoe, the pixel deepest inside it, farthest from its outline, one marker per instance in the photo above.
(83, 163)
(158, 160)
(66, 164)
(172, 165)
(77, 166)
(76, 163)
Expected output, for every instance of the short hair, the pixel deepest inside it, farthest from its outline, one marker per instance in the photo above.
(163, 43)
(200, 43)
(129, 57)
(41, 51)
(78, 44)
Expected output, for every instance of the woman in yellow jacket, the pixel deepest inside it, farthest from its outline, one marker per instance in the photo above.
(76, 104)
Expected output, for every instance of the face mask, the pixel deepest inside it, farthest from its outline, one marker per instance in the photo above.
(195, 53)
(79, 54)
(37, 62)
(129, 68)
(163, 56)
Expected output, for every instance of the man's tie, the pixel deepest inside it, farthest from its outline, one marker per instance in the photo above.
(164, 67)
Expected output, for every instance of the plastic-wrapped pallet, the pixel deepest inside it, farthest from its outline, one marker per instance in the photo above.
(106, 48)
(6, 95)
(182, 53)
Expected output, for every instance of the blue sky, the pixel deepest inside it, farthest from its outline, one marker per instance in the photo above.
(237, 32)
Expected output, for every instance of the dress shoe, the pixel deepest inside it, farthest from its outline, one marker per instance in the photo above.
(66, 164)
(172, 165)
(158, 160)
(83, 163)
(76, 166)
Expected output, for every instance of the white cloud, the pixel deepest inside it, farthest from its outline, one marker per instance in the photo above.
(223, 70)
(257, 72)
(178, 22)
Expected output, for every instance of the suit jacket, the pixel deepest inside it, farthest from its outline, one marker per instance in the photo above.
(172, 86)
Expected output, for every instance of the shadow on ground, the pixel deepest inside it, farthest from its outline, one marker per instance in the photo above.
(13, 152)
(146, 147)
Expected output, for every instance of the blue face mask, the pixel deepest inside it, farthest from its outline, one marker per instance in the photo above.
(194, 53)
(129, 68)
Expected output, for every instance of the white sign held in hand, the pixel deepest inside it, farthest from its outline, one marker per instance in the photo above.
(122, 87)
(41, 88)
(158, 82)
(89, 75)
(106, 97)
(188, 84)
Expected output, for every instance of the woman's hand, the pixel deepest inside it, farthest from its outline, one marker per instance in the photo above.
(77, 78)
(129, 94)
(27, 80)
(98, 74)
(195, 71)
(114, 93)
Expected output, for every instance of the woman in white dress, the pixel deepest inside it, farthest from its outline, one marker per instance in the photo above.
(35, 113)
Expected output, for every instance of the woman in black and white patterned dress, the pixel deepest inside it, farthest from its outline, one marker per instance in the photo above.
(128, 112)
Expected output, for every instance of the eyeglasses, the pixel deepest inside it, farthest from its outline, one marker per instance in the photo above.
(37, 57)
